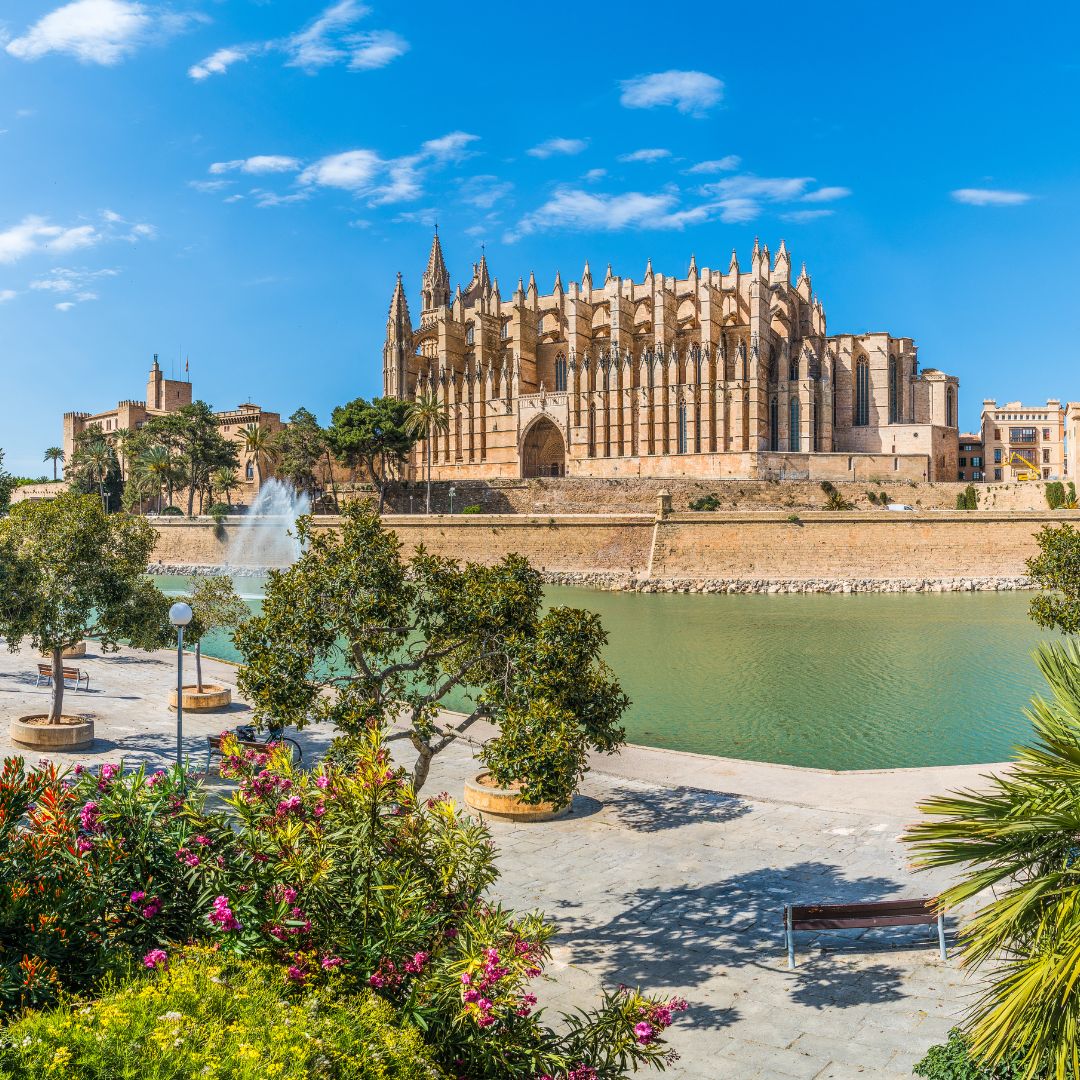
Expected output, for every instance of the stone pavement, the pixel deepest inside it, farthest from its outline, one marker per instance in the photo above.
(662, 878)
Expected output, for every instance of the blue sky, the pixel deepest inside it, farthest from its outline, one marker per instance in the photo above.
(239, 180)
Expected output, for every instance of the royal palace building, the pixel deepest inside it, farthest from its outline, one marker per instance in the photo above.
(721, 373)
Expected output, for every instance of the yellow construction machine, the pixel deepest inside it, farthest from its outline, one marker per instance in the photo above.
(1024, 469)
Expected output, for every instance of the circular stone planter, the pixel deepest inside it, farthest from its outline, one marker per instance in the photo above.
(483, 795)
(36, 733)
(73, 652)
(212, 698)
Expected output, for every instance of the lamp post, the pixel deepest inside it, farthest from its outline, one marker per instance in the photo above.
(451, 493)
(180, 615)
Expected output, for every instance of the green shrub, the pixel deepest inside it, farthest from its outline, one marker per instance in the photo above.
(833, 499)
(968, 499)
(211, 1016)
(172, 511)
(472, 510)
(794, 519)
(705, 502)
(872, 496)
(953, 1061)
(1055, 495)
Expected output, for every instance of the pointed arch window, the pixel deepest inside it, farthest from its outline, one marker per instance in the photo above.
(793, 425)
(504, 331)
(862, 394)
(592, 430)
(683, 441)
(774, 423)
(793, 369)
(560, 372)
(894, 392)
(470, 335)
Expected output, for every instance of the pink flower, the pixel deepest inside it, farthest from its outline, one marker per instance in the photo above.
(221, 915)
(138, 896)
(417, 963)
(466, 978)
(322, 781)
(293, 802)
(486, 1020)
(330, 962)
(156, 960)
(79, 770)
(643, 1032)
(376, 980)
(82, 845)
(152, 908)
(88, 818)
(320, 809)
(470, 996)
(295, 974)
(203, 841)
(155, 778)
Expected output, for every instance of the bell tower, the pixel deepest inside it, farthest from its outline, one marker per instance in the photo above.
(435, 284)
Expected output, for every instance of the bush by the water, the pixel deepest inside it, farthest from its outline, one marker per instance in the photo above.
(953, 1061)
(705, 502)
(211, 1016)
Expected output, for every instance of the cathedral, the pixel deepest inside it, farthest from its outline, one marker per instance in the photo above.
(720, 373)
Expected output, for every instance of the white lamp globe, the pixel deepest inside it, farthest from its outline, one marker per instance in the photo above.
(180, 614)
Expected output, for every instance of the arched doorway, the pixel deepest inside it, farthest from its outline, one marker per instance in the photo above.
(543, 453)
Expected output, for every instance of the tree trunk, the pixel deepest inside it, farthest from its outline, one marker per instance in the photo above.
(427, 498)
(55, 711)
(54, 469)
(423, 763)
(191, 492)
(333, 483)
(198, 665)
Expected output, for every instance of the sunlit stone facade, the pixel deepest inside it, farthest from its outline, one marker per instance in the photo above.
(725, 373)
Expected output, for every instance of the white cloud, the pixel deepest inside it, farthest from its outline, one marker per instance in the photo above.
(724, 164)
(801, 217)
(375, 49)
(765, 187)
(450, 147)
(98, 31)
(990, 197)
(552, 147)
(264, 199)
(484, 192)
(217, 63)
(593, 175)
(646, 156)
(36, 234)
(72, 281)
(353, 170)
(827, 194)
(690, 92)
(257, 166)
(67, 305)
(573, 208)
(317, 45)
(6, 295)
(209, 187)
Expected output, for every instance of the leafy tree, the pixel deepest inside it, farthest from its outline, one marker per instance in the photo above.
(301, 450)
(226, 481)
(68, 571)
(94, 466)
(1055, 495)
(373, 434)
(7, 485)
(1017, 845)
(199, 444)
(968, 499)
(215, 606)
(54, 454)
(1056, 570)
(427, 418)
(158, 466)
(259, 443)
(356, 635)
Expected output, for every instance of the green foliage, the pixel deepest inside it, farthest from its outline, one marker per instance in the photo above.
(222, 1019)
(1070, 499)
(873, 497)
(705, 502)
(428, 417)
(69, 571)
(953, 1061)
(377, 435)
(172, 511)
(833, 499)
(214, 606)
(794, 519)
(7, 485)
(968, 499)
(355, 635)
(94, 467)
(219, 511)
(1055, 495)
(472, 509)
(301, 453)
(1016, 844)
(1056, 570)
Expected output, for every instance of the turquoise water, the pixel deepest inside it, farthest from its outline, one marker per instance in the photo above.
(840, 682)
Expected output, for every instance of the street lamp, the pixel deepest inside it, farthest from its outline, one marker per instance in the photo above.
(180, 615)
(451, 493)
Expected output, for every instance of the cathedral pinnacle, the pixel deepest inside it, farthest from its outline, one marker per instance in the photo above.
(692, 272)
(648, 270)
(733, 266)
(435, 284)
(609, 275)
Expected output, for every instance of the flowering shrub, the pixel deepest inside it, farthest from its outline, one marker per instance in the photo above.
(89, 877)
(219, 1019)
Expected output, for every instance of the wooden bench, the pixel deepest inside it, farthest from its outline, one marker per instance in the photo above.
(866, 916)
(71, 675)
(213, 748)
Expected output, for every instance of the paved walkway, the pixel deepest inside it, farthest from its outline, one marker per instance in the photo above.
(671, 873)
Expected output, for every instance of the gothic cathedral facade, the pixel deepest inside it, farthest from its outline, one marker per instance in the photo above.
(725, 374)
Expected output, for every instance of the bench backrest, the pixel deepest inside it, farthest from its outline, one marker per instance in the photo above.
(69, 672)
(863, 916)
(214, 743)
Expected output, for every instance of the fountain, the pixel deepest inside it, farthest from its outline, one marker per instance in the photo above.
(267, 535)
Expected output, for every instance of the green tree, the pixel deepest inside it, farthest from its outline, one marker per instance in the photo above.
(201, 446)
(259, 444)
(356, 635)
(7, 485)
(426, 419)
(157, 465)
(215, 606)
(375, 435)
(1056, 570)
(226, 481)
(68, 571)
(94, 466)
(301, 449)
(1017, 844)
(54, 454)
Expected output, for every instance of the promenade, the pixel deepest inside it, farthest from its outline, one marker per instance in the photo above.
(671, 873)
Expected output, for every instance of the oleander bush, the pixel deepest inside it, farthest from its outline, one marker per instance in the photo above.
(953, 1061)
(211, 1016)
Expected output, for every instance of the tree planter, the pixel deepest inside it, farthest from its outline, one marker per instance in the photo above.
(72, 652)
(211, 698)
(489, 800)
(36, 733)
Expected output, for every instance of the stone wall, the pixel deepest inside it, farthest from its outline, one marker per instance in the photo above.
(764, 551)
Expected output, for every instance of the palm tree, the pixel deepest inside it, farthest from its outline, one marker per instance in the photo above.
(54, 454)
(426, 418)
(1019, 841)
(259, 442)
(99, 459)
(157, 464)
(225, 480)
(139, 487)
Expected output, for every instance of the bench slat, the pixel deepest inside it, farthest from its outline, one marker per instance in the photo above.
(921, 907)
(865, 923)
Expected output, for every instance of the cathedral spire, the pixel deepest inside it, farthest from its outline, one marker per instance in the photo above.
(398, 346)
(733, 266)
(435, 284)
(609, 275)
(692, 272)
